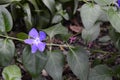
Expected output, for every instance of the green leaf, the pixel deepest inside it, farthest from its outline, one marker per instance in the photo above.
(22, 36)
(58, 6)
(42, 19)
(56, 29)
(76, 2)
(104, 39)
(34, 4)
(91, 34)
(89, 14)
(105, 2)
(116, 70)
(114, 18)
(55, 64)
(28, 17)
(115, 36)
(100, 72)
(103, 16)
(34, 63)
(64, 14)
(7, 49)
(57, 18)
(50, 5)
(11, 72)
(7, 1)
(77, 59)
(6, 22)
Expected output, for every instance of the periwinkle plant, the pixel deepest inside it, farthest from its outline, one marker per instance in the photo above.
(42, 50)
(35, 40)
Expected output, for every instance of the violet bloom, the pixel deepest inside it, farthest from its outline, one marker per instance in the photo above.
(118, 2)
(72, 39)
(35, 40)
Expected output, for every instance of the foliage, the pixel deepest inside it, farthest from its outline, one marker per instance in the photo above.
(49, 16)
(12, 72)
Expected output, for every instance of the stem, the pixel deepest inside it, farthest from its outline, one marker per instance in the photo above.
(60, 45)
(101, 51)
(11, 37)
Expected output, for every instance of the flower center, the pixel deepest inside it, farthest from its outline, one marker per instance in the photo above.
(37, 41)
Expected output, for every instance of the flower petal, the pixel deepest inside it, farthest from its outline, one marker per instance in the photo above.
(34, 48)
(42, 35)
(29, 41)
(33, 33)
(118, 2)
(41, 46)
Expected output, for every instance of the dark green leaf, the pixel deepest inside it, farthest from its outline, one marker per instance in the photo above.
(77, 59)
(89, 14)
(7, 1)
(55, 64)
(34, 4)
(57, 18)
(42, 19)
(116, 70)
(11, 72)
(115, 36)
(50, 5)
(76, 2)
(91, 34)
(6, 22)
(7, 50)
(100, 72)
(64, 14)
(22, 36)
(56, 29)
(34, 63)
(114, 18)
(28, 16)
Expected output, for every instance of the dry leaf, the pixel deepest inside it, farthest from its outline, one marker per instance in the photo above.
(75, 28)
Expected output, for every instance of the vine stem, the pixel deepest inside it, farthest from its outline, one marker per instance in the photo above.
(51, 44)
(101, 51)
(11, 37)
(64, 45)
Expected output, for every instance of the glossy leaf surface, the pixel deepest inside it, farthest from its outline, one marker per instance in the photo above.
(56, 29)
(91, 34)
(55, 64)
(89, 14)
(50, 4)
(100, 72)
(77, 59)
(6, 22)
(114, 18)
(11, 72)
(7, 49)
(34, 63)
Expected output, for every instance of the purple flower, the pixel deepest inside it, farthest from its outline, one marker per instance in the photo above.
(118, 2)
(35, 40)
(72, 39)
